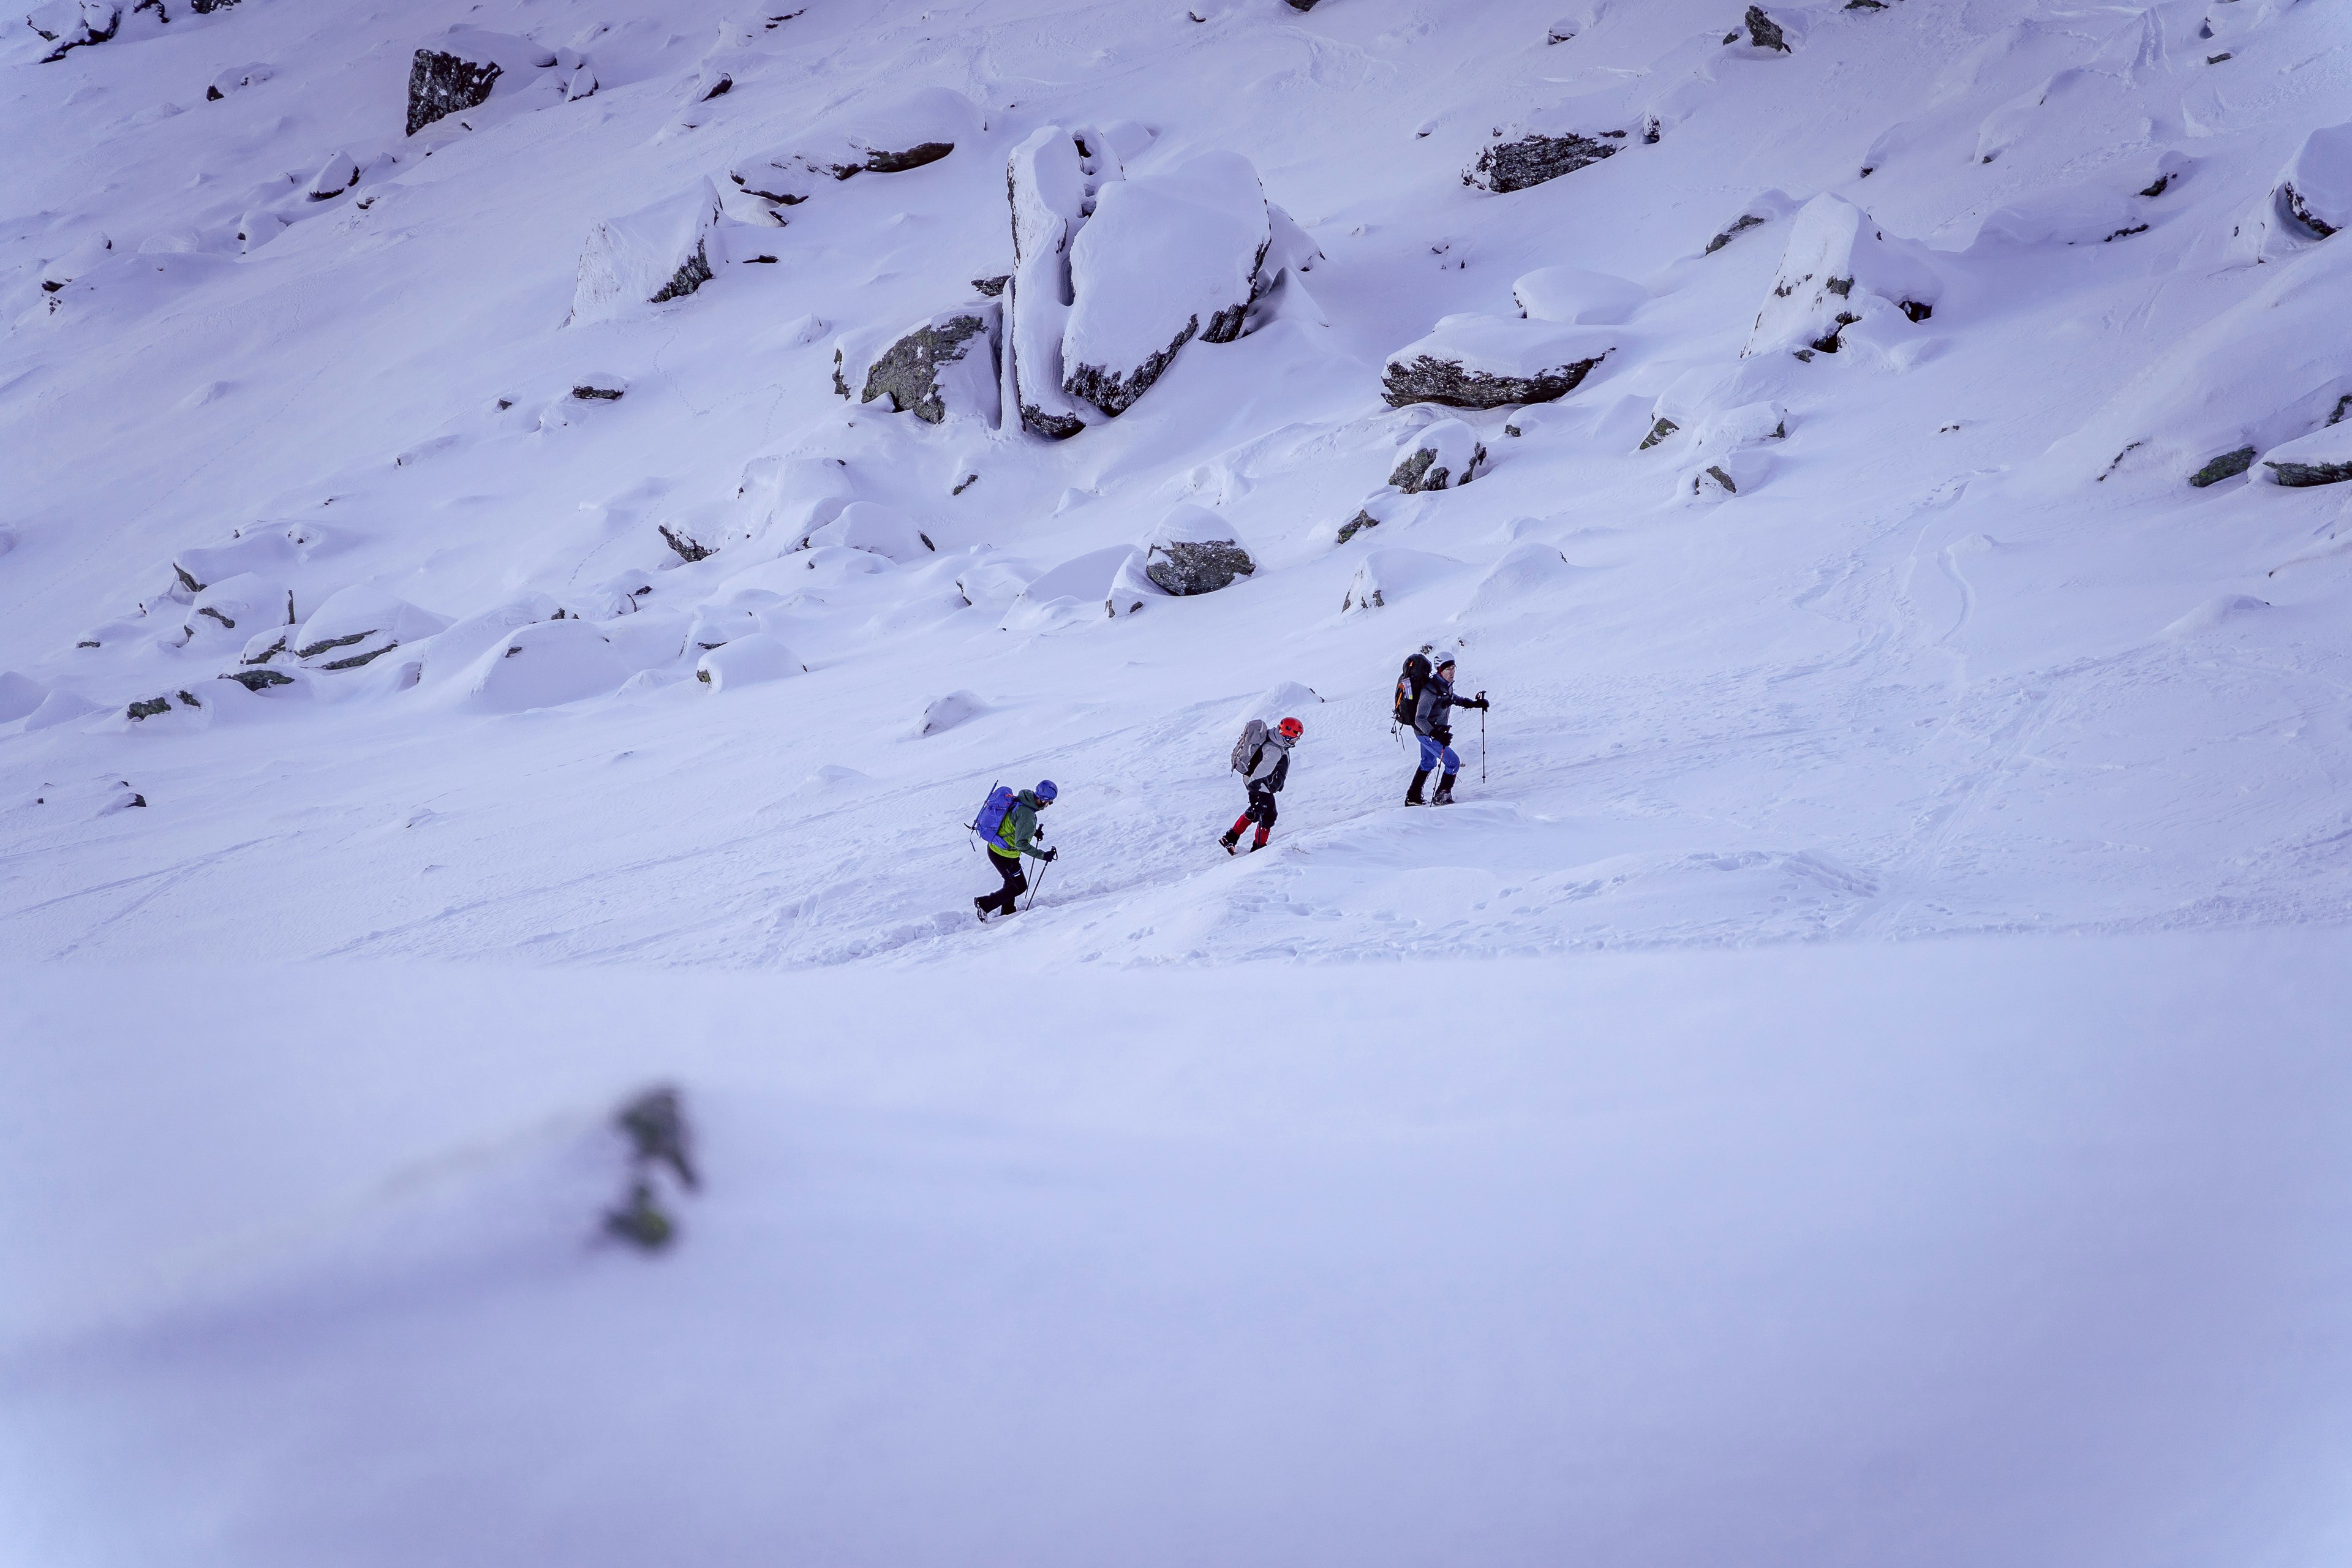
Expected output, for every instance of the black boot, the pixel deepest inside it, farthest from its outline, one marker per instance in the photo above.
(1229, 841)
(1413, 796)
(1444, 791)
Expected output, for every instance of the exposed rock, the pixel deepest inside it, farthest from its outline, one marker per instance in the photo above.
(2322, 457)
(2227, 466)
(660, 253)
(1658, 432)
(257, 679)
(1763, 32)
(1533, 159)
(601, 388)
(1357, 524)
(947, 365)
(360, 623)
(1485, 361)
(1163, 257)
(1193, 551)
(1438, 455)
(1740, 226)
(149, 708)
(2315, 191)
(339, 173)
(990, 288)
(441, 84)
(889, 137)
(689, 548)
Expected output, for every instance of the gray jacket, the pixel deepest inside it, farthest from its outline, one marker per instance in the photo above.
(1271, 760)
(1435, 709)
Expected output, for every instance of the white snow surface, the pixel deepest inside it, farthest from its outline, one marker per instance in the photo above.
(1856, 1079)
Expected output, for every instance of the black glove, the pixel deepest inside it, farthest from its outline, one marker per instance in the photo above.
(1443, 737)
(1050, 856)
(1479, 702)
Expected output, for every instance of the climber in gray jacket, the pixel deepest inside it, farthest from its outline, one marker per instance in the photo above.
(1433, 724)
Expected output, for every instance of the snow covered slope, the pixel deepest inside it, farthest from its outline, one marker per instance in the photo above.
(1927, 634)
(609, 483)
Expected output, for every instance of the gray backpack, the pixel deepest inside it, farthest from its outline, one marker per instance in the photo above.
(1246, 749)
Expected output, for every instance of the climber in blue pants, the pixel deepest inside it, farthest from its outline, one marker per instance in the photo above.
(1431, 715)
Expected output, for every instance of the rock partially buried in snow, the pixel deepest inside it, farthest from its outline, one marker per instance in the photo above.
(2309, 200)
(2322, 457)
(945, 365)
(1438, 456)
(1491, 362)
(463, 67)
(886, 137)
(1384, 577)
(1573, 296)
(1537, 157)
(1193, 551)
(659, 253)
(359, 624)
(746, 661)
(1839, 269)
(870, 526)
(1164, 257)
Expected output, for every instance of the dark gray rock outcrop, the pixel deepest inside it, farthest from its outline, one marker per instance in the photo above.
(1491, 362)
(1184, 567)
(1763, 32)
(946, 365)
(442, 84)
(1532, 160)
(2227, 466)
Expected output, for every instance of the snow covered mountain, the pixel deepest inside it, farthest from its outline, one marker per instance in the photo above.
(594, 482)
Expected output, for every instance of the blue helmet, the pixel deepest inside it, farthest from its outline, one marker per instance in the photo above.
(1045, 790)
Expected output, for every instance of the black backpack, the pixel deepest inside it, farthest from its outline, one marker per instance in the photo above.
(1409, 685)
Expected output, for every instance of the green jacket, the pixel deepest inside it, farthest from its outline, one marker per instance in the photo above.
(1016, 835)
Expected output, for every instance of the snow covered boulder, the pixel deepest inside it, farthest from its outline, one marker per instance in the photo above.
(1437, 455)
(1491, 362)
(2322, 457)
(339, 173)
(544, 666)
(359, 623)
(76, 261)
(19, 695)
(70, 24)
(1193, 551)
(1050, 185)
(2309, 200)
(941, 714)
(1074, 590)
(745, 661)
(454, 650)
(1386, 575)
(233, 612)
(659, 253)
(1574, 297)
(1163, 257)
(946, 364)
(1840, 269)
(870, 526)
(1538, 156)
(1763, 34)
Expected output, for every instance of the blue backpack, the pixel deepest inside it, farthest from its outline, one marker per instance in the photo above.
(991, 820)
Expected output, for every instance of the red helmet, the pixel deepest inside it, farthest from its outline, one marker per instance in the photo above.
(1292, 729)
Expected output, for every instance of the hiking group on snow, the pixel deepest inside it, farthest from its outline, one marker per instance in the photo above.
(1426, 701)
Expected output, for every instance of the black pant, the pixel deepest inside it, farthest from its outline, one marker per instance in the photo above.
(1006, 899)
(1261, 806)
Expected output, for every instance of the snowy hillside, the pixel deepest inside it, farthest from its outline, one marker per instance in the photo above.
(599, 483)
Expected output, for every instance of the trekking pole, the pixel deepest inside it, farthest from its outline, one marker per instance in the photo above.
(1482, 742)
(1033, 887)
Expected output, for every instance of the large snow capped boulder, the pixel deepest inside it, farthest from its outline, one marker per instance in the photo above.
(1051, 183)
(232, 611)
(1163, 257)
(463, 67)
(662, 252)
(944, 365)
(359, 623)
(2309, 200)
(1438, 455)
(1193, 551)
(1492, 361)
(68, 25)
(542, 665)
(2322, 457)
(870, 526)
(746, 661)
(1839, 269)
(887, 136)
(1577, 297)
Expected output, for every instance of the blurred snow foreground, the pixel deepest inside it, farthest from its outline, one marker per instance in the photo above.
(610, 492)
